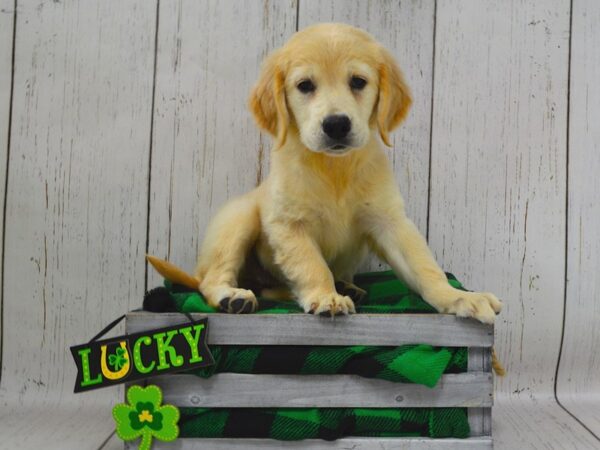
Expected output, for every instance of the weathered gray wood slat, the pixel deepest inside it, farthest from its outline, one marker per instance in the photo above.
(6, 47)
(480, 419)
(206, 146)
(579, 373)
(75, 217)
(228, 390)
(498, 170)
(305, 329)
(356, 443)
(76, 198)
(498, 196)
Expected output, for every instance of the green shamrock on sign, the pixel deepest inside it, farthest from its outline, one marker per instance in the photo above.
(144, 417)
(118, 359)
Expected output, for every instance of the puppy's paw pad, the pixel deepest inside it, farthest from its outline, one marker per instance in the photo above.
(241, 301)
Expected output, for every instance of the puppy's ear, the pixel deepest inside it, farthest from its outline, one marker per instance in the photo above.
(267, 100)
(394, 97)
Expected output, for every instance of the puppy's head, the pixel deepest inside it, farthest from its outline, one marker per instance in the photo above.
(333, 85)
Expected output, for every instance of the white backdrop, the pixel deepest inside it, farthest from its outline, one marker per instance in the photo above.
(123, 127)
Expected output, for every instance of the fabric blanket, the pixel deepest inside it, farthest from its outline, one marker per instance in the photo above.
(386, 294)
(416, 363)
(288, 424)
(421, 364)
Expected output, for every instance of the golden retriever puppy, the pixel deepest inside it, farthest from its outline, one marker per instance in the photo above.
(327, 97)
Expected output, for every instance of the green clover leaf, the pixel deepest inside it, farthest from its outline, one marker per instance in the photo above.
(144, 417)
(118, 359)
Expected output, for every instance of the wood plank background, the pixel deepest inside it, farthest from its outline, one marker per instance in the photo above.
(6, 47)
(578, 385)
(501, 224)
(123, 127)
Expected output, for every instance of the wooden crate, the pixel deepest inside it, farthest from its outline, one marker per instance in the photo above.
(473, 389)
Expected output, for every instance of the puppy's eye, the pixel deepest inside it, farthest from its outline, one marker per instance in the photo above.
(306, 86)
(357, 83)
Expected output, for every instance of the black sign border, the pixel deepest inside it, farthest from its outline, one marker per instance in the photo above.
(204, 350)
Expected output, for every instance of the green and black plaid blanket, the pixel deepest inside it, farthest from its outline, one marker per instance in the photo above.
(288, 424)
(421, 364)
(417, 363)
(386, 294)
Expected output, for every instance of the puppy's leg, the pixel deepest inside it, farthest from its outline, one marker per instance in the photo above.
(398, 241)
(228, 240)
(344, 267)
(301, 262)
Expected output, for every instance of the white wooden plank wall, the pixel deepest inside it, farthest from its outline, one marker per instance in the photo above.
(208, 58)
(579, 375)
(130, 128)
(6, 47)
(76, 203)
(498, 192)
(499, 167)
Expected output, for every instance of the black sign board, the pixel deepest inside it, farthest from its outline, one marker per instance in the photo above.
(132, 357)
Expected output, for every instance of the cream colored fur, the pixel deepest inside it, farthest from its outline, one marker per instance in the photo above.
(319, 212)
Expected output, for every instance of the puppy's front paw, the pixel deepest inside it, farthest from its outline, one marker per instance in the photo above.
(329, 305)
(482, 306)
(238, 301)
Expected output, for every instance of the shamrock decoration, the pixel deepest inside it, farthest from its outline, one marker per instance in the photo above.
(145, 417)
(118, 359)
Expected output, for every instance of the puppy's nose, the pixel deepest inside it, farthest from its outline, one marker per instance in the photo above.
(337, 126)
